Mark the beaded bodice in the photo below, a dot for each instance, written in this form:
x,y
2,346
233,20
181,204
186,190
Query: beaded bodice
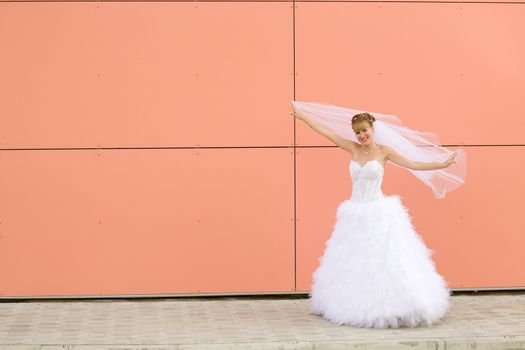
x,y
366,180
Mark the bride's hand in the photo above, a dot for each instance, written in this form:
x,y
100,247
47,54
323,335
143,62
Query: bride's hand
x,y
295,114
450,160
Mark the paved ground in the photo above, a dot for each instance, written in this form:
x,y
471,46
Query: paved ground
x,y
483,320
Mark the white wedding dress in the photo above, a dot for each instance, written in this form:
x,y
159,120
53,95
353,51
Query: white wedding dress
x,y
376,271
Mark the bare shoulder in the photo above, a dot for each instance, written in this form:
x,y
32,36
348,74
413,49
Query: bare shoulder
x,y
353,147
385,151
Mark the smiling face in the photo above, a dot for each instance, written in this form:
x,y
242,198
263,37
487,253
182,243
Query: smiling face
x,y
364,132
365,135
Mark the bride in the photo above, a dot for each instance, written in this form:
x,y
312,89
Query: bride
x,y
376,270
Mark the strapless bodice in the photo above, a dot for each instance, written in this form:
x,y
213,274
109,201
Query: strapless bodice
x,y
366,180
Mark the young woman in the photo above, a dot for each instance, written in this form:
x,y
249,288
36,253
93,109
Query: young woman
x,y
376,270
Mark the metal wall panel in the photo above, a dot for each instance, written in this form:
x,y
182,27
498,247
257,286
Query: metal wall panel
x,y
84,223
135,74
454,69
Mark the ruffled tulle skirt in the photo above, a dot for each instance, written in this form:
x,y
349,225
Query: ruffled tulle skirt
x,y
376,271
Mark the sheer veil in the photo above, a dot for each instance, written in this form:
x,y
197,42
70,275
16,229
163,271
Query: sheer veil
x,y
389,131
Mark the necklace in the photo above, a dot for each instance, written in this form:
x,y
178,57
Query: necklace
x,y
371,149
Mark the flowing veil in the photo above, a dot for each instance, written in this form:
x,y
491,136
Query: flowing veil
x,y
390,131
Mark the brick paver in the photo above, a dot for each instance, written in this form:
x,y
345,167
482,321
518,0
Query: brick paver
x,y
484,320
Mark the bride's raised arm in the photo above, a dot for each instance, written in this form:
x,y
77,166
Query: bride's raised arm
x,y
345,144
407,163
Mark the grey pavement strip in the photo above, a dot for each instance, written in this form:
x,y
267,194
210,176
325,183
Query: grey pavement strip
x,y
482,321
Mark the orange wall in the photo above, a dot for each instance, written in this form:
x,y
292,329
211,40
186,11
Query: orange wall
x,y
146,148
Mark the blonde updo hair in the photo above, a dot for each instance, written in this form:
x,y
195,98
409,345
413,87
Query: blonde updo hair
x,y
362,120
